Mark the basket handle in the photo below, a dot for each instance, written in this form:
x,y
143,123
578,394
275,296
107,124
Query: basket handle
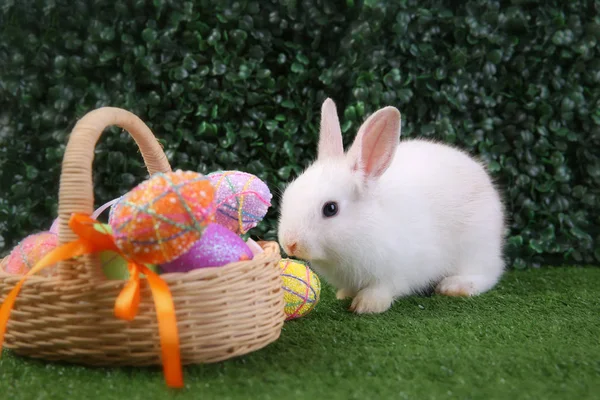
x,y
76,193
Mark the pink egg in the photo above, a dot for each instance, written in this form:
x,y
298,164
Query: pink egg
x,y
218,246
242,200
254,247
29,251
54,227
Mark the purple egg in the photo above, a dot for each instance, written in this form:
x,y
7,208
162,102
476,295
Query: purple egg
x,y
242,199
218,246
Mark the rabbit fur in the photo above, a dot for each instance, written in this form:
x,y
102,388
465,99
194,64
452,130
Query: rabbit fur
x,y
410,214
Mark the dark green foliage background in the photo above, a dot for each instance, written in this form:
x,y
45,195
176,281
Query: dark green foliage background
x,y
238,85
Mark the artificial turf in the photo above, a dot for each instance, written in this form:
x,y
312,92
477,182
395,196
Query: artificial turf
x,y
535,336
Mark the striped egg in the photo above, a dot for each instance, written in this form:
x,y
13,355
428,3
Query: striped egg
x,y
161,218
242,200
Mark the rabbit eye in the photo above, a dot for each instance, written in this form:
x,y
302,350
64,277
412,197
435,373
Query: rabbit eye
x,y
330,209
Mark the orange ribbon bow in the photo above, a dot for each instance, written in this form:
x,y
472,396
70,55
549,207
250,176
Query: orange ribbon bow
x,y
90,241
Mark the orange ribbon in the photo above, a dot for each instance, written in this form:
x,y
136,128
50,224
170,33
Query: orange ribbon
x,y
127,303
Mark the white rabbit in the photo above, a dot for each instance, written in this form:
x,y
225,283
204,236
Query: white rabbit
x,y
391,218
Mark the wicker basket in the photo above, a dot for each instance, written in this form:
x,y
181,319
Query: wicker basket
x,y
221,312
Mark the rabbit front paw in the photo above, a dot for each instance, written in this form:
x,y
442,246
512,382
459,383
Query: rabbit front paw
x,y
371,301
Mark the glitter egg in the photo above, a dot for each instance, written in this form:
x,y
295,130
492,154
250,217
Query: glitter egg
x,y
217,247
114,266
29,251
302,288
54,227
254,247
242,200
162,217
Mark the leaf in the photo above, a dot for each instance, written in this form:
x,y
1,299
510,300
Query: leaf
x,y
297,68
149,35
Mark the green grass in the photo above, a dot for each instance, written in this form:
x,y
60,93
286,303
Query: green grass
x,y
536,336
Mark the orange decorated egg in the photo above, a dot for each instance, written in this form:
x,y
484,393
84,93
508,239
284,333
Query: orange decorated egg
x,y
162,217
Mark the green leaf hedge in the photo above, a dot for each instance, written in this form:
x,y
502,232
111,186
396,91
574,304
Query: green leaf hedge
x,y
238,85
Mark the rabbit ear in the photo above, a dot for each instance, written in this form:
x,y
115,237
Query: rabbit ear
x,y
330,139
375,144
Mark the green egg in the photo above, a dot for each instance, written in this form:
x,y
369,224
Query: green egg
x,y
113,265
104,228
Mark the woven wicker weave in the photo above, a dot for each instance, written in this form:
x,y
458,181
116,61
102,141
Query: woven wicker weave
x,y
221,312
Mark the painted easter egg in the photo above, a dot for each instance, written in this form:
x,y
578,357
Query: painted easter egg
x,y
54,226
162,217
29,251
217,246
254,247
242,200
114,266
301,286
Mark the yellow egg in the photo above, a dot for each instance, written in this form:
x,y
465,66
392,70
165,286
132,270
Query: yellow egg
x,y
302,288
